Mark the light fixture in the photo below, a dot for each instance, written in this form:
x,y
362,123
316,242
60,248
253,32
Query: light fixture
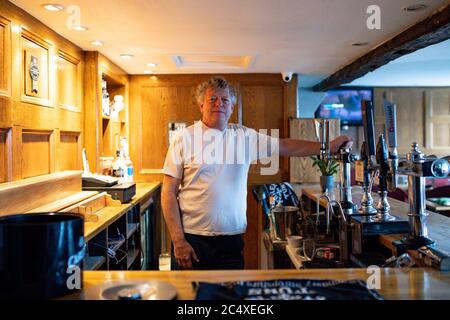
x,y
151,65
97,43
79,28
360,44
126,56
148,71
415,7
53,7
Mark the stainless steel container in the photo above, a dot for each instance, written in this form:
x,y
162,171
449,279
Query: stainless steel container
x,y
283,221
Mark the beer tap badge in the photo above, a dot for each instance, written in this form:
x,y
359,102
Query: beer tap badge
x,y
34,74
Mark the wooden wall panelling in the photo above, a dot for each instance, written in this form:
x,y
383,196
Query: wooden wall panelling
x,y
4,153
16,153
263,109
301,168
437,121
5,72
37,154
36,113
69,75
92,110
410,116
69,151
37,53
5,57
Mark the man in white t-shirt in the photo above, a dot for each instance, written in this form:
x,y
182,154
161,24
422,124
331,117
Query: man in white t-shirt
x,y
204,194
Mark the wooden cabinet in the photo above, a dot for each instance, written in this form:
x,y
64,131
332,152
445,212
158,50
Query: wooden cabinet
x,y
118,246
103,131
113,123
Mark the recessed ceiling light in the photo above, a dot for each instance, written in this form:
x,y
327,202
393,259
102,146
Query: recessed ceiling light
x,y
97,43
79,28
360,44
148,71
415,7
53,7
126,56
151,65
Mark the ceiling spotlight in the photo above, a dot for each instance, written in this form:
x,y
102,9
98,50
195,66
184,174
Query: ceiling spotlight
x,y
415,7
126,56
97,43
53,7
79,28
151,65
148,71
360,44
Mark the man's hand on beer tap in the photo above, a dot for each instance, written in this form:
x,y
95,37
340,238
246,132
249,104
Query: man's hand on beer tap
x,y
341,142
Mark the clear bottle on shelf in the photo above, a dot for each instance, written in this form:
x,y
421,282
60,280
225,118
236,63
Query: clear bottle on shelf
x,y
119,168
105,100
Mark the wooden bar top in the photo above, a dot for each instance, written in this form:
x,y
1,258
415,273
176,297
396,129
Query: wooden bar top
x,y
438,225
108,215
415,283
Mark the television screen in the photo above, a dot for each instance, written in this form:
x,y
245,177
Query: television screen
x,y
344,104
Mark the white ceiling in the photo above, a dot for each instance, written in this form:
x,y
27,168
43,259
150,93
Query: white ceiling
x,y
310,37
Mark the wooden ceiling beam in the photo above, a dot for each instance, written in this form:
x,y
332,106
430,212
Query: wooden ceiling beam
x,y
432,30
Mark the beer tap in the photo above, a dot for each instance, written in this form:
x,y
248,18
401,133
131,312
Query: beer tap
x,y
367,207
367,154
417,166
390,112
346,158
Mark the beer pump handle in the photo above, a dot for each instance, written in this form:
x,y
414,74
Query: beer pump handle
x,y
390,111
369,130
382,160
325,140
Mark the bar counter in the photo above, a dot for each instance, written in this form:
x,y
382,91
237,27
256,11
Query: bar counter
x,y
438,225
415,283
108,215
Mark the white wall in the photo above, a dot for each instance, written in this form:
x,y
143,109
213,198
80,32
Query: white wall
x,y
308,101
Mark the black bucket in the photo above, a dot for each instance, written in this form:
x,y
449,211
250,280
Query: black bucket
x,y
41,255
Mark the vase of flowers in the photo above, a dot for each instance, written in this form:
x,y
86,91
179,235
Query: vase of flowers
x,y
328,168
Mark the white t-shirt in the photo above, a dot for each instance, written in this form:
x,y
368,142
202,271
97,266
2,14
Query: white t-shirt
x,y
213,168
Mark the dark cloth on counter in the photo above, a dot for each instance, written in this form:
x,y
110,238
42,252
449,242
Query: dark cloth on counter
x,y
291,289
214,252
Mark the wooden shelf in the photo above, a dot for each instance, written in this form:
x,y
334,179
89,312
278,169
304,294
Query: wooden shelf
x,y
117,245
93,263
131,257
132,227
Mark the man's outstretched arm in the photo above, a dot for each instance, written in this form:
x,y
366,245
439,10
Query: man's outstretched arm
x,y
305,148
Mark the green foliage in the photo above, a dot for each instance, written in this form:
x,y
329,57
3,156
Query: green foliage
x,y
326,167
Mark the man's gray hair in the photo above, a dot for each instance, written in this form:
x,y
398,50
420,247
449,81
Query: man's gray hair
x,y
214,83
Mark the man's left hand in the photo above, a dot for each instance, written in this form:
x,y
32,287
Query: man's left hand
x,y
341,142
